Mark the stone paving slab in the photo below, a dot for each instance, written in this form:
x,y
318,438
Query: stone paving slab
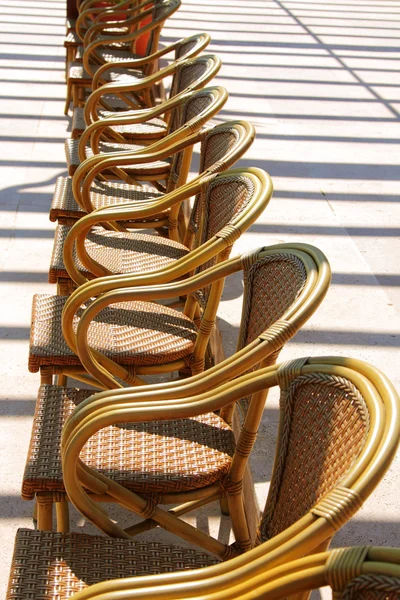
x,y
321,83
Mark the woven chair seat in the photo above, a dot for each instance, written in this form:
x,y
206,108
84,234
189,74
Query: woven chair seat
x,y
73,40
155,458
58,565
152,129
120,51
107,193
130,333
116,53
77,74
158,167
118,251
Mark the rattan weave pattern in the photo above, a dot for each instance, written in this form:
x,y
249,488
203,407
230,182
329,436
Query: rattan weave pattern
x,y
78,75
224,200
73,39
184,49
72,156
129,333
151,458
102,194
372,587
54,566
325,426
119,252
154,127
187,74
119,52
271,285
216,146
123,50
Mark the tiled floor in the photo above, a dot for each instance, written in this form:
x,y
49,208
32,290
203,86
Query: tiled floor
x,y
321,83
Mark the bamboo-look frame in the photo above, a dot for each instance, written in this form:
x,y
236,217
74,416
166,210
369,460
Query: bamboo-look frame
x,y
202,41
85,4
145,86
95,15
148,66
154,286
79,231
336,568
128,11
264,348
99,126
309,533
131,20
94,166
90,58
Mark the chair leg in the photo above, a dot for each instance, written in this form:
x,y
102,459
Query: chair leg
x,y
75,96
224,506
62,516
239,522
35,512
44,511
68,99
46,376
62,380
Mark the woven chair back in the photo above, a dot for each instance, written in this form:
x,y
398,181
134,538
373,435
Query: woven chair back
x,y
193,107
190,72
373,586
323,430
214,209
271,285
188,46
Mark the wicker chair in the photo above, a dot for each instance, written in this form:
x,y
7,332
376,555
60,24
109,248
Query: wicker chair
x,y
113,252
283,286
155,338
102,49
111,17
139,127
184,49
350,413
73,198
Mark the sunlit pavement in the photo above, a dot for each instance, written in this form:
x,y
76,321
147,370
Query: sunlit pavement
x,y
321,82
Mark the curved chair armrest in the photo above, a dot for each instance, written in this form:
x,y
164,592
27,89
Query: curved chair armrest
x,y
134,16
85,4
248,574
90,43
99,13
218,375
123,88
80,21
135,63
90,166
101,25
76,474
119,6
94,165
143,61
267,341
121,289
